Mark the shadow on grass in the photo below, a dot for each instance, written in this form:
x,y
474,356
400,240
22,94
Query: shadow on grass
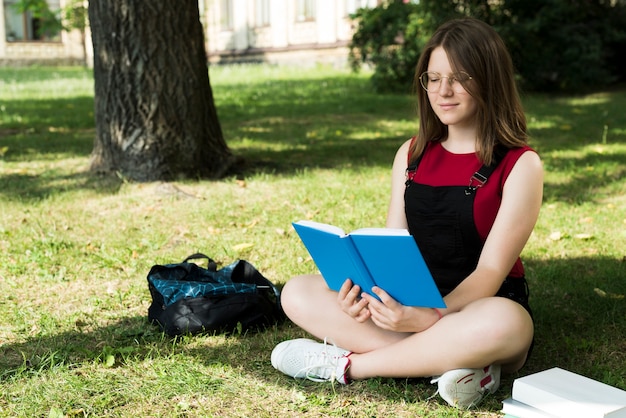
x,y
127,340
595,175
284,126
577,328
40,126
580,316
35,186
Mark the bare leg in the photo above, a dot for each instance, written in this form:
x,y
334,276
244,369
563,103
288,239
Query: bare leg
x,y
490,330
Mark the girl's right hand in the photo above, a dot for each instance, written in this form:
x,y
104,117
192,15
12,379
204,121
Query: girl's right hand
x,y
350,301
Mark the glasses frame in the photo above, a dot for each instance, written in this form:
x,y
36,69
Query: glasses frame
x,y
455,83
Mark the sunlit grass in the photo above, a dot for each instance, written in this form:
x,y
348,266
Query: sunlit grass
x,y
75,249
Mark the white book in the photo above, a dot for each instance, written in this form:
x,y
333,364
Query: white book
x,y
569,395
520,410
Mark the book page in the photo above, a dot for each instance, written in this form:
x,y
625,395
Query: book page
x,y
331,229
335,230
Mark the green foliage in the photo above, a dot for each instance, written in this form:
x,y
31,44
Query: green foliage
x,y
72,16
565,45
50,21
556,45
75,15
390,38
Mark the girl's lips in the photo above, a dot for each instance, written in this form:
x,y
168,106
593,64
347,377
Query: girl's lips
x,y
446,106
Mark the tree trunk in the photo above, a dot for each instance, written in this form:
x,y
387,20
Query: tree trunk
x,y
154,109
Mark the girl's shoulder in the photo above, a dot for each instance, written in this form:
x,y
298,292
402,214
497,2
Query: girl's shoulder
x,y
518,151
514,154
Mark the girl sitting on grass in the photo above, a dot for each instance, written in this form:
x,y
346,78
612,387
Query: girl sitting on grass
x,y
470,231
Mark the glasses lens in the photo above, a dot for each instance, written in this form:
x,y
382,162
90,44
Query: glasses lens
x,y
458,80
431,81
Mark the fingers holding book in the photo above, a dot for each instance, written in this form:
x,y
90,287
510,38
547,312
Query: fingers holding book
x,y
351,302
389,314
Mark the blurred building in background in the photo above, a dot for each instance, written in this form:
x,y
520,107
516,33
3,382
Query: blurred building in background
x,y
303,32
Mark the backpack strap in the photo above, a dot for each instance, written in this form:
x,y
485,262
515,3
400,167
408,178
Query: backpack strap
x,y
211,264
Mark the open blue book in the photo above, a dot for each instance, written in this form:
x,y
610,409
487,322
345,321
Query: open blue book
x,y
383,257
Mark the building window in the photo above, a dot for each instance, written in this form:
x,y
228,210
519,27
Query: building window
x,y
262,13
32,25
305,10
226,15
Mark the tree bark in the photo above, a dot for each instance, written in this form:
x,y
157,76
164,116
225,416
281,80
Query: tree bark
x,y
154,109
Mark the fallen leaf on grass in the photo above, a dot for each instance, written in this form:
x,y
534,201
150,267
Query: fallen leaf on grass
x,y
555,236
609,295
583,236
311,215
243,246
214,231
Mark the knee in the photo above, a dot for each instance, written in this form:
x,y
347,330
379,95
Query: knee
x,y
519,321
298,295
514,335
509,323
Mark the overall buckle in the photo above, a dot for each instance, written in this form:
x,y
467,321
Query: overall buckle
x,y
477,180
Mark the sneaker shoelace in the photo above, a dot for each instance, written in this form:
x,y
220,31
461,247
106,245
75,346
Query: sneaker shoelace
x,y
321,366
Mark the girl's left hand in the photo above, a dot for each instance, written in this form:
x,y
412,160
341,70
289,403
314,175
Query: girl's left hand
x,y
390,315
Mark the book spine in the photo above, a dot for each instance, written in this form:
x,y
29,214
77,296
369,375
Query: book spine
x,y
366,281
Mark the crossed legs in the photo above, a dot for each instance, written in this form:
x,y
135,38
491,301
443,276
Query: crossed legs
x,y
487,331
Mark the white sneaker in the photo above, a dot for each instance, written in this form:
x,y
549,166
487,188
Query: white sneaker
x,y
465,388
307,359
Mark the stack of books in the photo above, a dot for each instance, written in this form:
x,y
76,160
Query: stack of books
x,y
558,393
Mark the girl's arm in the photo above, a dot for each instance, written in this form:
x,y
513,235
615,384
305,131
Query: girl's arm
x,y
516,218
396,217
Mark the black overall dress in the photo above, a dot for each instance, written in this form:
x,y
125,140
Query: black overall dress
x,y
441,220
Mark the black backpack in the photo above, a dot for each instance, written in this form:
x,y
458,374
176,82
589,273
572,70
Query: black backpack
x,y
190,299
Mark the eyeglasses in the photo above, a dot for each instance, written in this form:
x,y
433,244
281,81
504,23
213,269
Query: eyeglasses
x,y
431,81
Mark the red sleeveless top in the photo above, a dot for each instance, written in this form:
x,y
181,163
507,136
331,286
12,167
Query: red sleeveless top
x,y
440,167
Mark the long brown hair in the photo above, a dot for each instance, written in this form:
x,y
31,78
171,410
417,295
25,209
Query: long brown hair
x,y
476,48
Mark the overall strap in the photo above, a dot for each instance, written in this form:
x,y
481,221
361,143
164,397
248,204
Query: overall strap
x,y
480,177
412,168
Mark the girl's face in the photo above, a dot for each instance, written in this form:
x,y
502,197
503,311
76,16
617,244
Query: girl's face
x,y
452,104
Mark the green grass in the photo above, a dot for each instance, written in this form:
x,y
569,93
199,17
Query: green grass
x,y
75,249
